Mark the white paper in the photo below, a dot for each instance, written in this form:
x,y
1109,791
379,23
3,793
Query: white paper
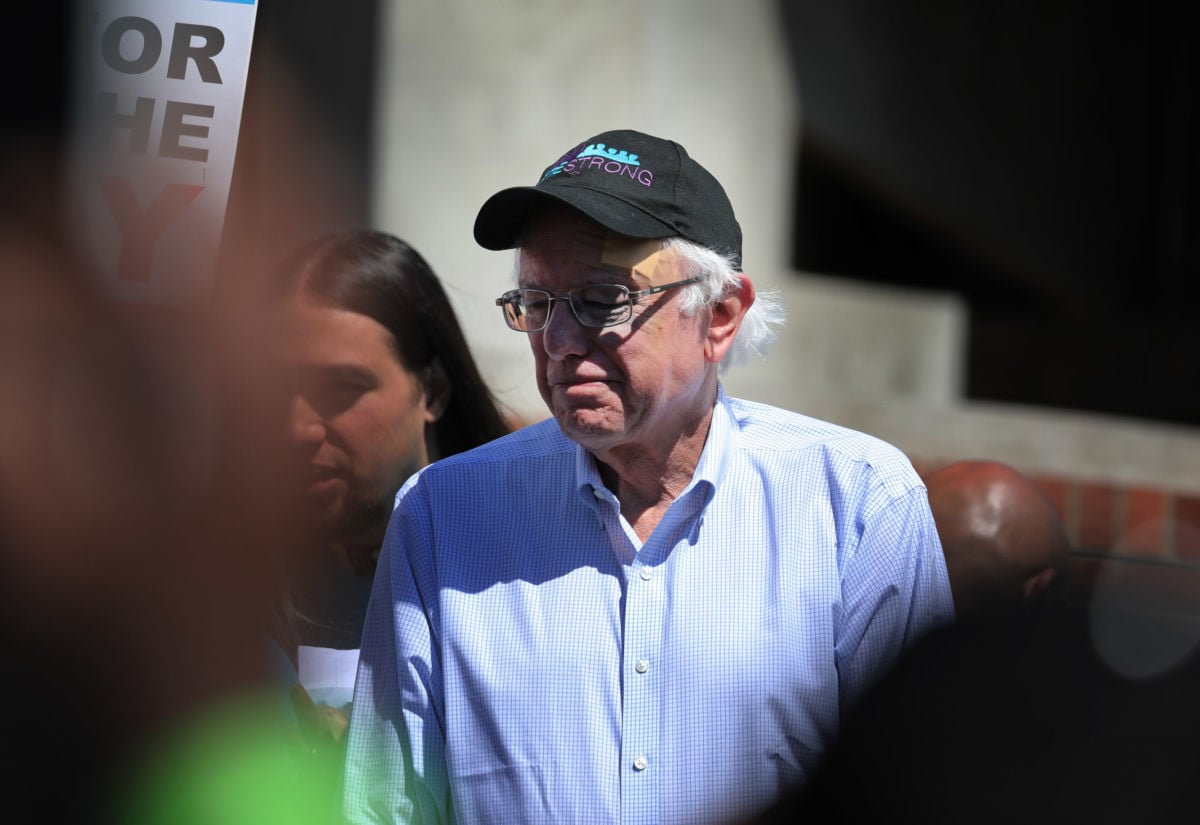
x,y
328,674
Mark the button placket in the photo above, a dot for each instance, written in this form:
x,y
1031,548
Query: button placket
x,y
641,702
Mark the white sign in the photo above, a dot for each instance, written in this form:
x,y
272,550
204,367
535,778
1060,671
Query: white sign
x,y
158,91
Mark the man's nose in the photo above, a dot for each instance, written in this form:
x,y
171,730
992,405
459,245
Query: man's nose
x,y
563,335
304,424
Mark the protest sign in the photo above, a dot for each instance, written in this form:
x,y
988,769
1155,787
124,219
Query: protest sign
x,y
158,92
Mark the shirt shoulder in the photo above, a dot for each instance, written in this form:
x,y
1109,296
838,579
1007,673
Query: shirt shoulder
x,y
536,451
774,434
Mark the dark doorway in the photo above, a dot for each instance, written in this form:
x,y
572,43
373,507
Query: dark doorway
x,y
1041,160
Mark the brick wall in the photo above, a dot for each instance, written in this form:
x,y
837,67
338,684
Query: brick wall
x,y
1139,522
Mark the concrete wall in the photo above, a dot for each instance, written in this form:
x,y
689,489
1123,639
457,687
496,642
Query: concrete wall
x,y
477,97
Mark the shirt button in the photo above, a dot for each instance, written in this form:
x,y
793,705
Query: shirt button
x,y
646,574
642,666
640,763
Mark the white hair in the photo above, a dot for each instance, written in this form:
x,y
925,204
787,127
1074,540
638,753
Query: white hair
x,y
720,276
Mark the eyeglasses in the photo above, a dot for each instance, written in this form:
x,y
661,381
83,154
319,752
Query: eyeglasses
x,y
595,305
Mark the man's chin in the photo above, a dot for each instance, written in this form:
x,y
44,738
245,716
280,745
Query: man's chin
x,y
589,427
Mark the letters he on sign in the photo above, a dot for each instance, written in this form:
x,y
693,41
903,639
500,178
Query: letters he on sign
x,y
163,84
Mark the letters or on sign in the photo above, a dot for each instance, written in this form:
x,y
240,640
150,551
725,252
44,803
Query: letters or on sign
x,y
158,91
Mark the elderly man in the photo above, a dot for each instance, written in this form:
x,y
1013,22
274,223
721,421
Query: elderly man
x,y
656,606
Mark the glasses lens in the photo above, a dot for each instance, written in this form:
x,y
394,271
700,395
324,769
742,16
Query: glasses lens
x,y
514,311
528,310
601,305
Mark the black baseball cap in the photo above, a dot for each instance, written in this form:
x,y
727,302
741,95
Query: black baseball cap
x,y
630,183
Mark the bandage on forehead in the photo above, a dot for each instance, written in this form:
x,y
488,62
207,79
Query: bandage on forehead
x,y
638,259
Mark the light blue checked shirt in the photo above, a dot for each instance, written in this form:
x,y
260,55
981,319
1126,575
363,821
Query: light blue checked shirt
x,y
526,659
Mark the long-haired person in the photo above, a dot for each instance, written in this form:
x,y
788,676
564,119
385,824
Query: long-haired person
x,y
382,383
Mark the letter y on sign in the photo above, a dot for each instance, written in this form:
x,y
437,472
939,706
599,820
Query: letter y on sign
x,y
141,229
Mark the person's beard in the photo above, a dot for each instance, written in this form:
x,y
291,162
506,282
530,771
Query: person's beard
x,y
356,519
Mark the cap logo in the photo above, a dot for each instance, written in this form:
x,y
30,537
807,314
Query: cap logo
x,y
598,157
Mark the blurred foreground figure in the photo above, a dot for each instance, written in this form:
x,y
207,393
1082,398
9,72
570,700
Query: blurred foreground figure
x,y
141,526
1004,543
142,519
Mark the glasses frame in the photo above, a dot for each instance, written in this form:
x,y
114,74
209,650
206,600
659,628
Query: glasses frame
x,y
632,297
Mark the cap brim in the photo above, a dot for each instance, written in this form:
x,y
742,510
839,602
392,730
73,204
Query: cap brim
x,y
503,216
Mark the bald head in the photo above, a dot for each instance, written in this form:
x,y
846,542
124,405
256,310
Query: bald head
x,y
1002,538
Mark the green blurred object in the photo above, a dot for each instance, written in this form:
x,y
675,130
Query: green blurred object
x,y
245,762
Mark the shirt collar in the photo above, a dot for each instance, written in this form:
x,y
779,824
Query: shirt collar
x,y
711,468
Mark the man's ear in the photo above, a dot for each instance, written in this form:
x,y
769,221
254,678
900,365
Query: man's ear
x,y
437,390
725,319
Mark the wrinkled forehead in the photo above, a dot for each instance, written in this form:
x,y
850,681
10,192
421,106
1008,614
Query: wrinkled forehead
x,y
561,244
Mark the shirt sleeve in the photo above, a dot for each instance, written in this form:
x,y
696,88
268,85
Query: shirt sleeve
x,y
396,750
894,590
